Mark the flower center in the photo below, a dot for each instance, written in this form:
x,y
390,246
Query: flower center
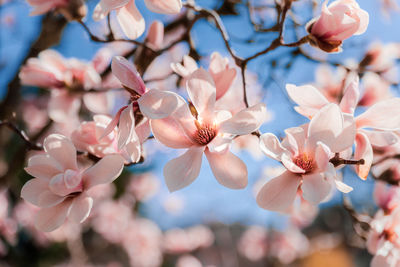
x,y
305,162
390,235
205,133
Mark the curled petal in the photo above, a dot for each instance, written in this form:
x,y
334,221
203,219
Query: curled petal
x,y
130,20
271,146
363,151
228,169
126,128
279,193
127,74
307,97
351,96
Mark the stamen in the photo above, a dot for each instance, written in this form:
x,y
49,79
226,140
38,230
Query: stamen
x,y
305,162
204,134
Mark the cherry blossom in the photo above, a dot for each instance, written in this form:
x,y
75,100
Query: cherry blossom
x,y
61,188
200,128
129,17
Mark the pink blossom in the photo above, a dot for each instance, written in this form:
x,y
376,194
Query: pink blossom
x,y
142,242
89,137
373,127
111,220
337,22
203,130
386,197
383,240
65,77
129,17
253,243
223,75
306,152
375,89
61,189
144,186
330,83
44,6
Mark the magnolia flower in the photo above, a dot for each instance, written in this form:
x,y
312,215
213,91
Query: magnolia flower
x,y
306,152
223,75
199,128
62,189
383,240
375,89
130,79
88,138
65,78
129,17
337,22
374,126
71,9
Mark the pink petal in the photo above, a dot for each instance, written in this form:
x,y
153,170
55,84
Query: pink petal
x,y
48,199
127,74
143,130
342,187
49,219
322,156
169,132
363,151
325,127
316,188
43,166
32,189
126,128
228,169
381,138
133,151
351,96
245,121
103,172
130,20
113,123
80,208
223,81
306,96
157,104
156,34
287,161
105,6
378,116
182,171
271,146
279,193
202,92
62,150
164,6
